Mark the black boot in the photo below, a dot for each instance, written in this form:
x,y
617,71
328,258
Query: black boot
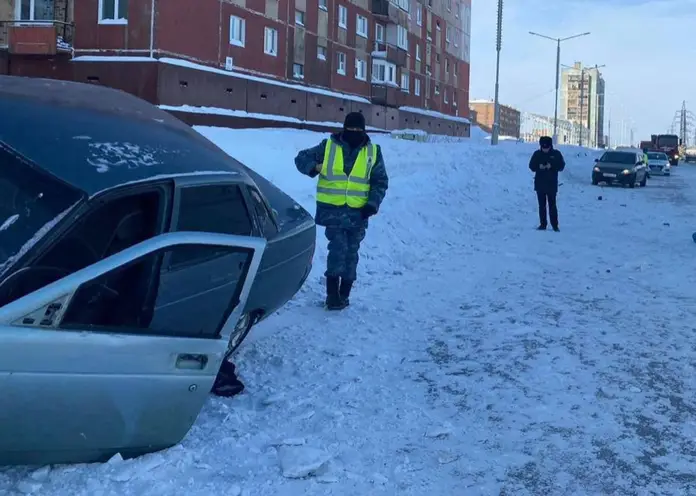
x,y
333,299
344,291
541,227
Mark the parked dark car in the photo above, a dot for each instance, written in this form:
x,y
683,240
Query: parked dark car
x,y
624,167
134,257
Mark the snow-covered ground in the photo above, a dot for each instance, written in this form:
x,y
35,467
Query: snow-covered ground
x,y
479,356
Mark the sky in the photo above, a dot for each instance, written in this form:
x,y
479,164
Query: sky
x,y
648,47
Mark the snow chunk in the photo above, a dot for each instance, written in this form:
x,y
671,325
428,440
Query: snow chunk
x,y
299,462
8,222
105,156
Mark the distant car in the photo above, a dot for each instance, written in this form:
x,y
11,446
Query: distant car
x,y
658,164
690,155
135,255
624,167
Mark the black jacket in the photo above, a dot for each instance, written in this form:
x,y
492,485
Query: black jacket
x,y
545,177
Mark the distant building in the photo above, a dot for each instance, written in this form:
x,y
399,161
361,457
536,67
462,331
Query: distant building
x,y
473,115
485,115
534,126
588,111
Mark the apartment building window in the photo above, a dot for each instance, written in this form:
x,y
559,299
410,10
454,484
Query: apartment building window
x,y
447,34
404,82
298,71
361,26
402,37
449,5
110,11
321,53
402,4
237,31
419,14
383,72
454,97
270,41
428,71
379,33
323,5
299,17
446,99
341,63
360,70
342,17
447,67
416,86
437,89
418,53
437,25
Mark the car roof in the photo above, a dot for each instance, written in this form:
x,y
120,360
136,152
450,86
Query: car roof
x,y
97,138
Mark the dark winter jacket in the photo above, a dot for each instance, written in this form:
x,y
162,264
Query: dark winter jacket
x,y
546,166
345,217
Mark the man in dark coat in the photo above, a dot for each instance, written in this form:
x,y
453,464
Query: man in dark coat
x,y
546,163
351,186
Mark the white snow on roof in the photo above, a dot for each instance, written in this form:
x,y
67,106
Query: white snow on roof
x,y
299,87
437,115
110,58
253,115
479,100
240,75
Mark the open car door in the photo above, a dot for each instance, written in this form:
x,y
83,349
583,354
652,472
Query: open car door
x,y
93,364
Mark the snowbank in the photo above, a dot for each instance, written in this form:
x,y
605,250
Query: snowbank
x,y
479,356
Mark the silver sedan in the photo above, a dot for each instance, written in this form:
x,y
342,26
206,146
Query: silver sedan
x,y
658,164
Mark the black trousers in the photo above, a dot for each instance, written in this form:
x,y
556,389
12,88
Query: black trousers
x,y
545,197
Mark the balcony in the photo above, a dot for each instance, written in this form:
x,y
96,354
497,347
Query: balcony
x,y
390,53
36,37
385,10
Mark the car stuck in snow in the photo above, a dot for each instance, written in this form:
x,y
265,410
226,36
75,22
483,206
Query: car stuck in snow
x,y
135,255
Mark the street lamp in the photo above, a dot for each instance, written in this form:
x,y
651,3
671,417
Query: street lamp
x,y
496,105
558,72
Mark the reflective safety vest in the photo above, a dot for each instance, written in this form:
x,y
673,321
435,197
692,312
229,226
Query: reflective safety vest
x,y
334,187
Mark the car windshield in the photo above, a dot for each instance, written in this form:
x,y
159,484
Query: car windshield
x,y
668,140
619,158
657,156
31,202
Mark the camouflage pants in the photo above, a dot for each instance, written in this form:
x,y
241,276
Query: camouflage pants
x,y
344,245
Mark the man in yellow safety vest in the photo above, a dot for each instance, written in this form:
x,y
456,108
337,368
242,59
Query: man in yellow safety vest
x,y
352,184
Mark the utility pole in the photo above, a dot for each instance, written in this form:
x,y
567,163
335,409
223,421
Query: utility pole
x,y
496,105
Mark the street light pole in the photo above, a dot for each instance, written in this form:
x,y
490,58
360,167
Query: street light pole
x,y
558,73
496,105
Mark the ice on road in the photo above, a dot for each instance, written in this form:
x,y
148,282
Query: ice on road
x,y
478,357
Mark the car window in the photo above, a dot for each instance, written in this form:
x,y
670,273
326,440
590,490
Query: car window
x,y
30,203
137,298
262,212
215,209
619,158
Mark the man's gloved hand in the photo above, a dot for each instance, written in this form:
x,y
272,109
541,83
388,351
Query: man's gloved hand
x,y
368,211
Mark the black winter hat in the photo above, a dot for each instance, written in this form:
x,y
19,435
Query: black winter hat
x,y
354,120
545,142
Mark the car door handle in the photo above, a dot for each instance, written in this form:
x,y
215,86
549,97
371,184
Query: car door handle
x,y
191,361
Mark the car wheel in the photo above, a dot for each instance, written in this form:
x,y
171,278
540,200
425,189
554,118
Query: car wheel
x,y
595,182
239,334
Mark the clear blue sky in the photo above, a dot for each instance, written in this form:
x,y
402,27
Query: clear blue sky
x,y
648,47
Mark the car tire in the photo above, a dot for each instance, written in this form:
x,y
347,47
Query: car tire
x,y
240,332
595,182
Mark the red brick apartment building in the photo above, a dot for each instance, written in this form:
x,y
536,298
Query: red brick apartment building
x,y
403,63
